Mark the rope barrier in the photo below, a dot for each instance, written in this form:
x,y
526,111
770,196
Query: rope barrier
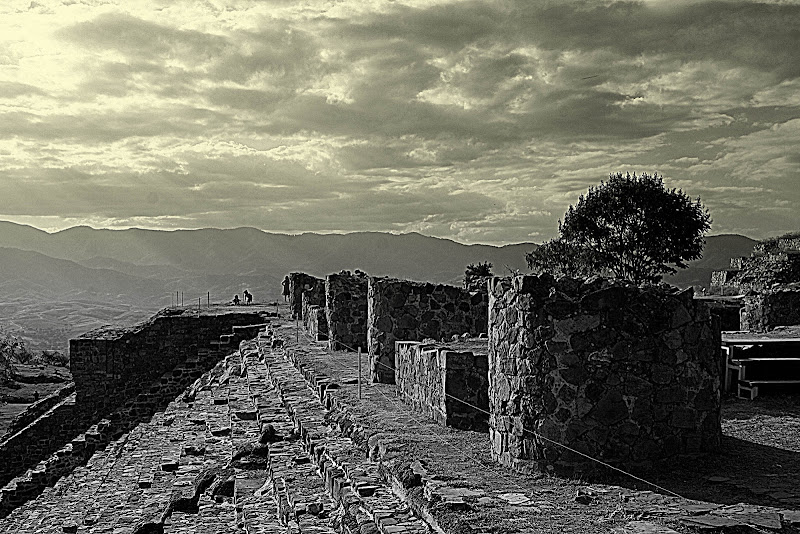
x,y
541,437
442,439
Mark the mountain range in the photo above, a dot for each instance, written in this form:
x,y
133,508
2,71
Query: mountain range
x,y
54,286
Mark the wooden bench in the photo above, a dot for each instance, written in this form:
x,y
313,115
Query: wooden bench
x,y
769,370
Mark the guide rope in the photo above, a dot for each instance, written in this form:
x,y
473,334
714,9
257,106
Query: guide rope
x,y
538,435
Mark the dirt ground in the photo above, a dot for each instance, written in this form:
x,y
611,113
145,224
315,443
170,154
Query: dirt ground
x,y
757,466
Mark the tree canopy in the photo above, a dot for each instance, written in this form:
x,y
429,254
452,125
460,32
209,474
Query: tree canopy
x,y
475,273
629,227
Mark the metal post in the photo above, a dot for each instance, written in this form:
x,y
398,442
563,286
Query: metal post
x,y
198,304
208,299
359,372
177,299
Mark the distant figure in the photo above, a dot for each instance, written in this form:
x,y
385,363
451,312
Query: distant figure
x,y
35,395
236,300
248,298
286,289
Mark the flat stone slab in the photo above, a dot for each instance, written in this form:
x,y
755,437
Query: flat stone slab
x,y
643,527
792,517
710,522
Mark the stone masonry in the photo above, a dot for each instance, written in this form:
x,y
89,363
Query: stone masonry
x,y
446,381
314,320
624,374
298,284
110,365
346,308
127,396
765,310
401,310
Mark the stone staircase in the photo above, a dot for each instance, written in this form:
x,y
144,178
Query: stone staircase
x,y
318,473
245,449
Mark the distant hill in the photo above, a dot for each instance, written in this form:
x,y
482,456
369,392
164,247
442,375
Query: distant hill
x,y
717,255
55,286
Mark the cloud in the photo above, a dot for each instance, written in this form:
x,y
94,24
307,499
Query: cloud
x,y
475,120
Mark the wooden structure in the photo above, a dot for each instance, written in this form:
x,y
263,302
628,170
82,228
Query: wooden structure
x,y
753,360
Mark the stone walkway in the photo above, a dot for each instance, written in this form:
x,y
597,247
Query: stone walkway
x,y
456,485
275,439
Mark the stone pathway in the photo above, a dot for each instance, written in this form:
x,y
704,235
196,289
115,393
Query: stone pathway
x,y
275,439
458,486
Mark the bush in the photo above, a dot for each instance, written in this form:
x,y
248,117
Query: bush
x,y
475,273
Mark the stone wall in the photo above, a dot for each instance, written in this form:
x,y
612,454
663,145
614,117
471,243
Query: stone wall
x,y
760,272
37,440
125,374
110,365
298,284
346,308
448,382
314,320
765,310
316,323
623,374
777,244
401,310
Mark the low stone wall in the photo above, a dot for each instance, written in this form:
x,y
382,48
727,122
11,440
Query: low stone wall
x,y
111,365
299,283
447,382
778,244
125,374
401,310
40,438
316,323
346,308
765,310
626,375
38,409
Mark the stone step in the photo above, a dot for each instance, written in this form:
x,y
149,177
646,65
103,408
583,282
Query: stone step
x,y
344,468
294,485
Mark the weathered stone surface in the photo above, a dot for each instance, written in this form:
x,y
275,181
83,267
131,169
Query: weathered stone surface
x,y
346,308
623,374
447,381
770,308
400,310
300,283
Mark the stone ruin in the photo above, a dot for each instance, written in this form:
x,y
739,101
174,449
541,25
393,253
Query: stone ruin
x,y
401,310
122,376
299,283
624,374
446,381
767,285
765,310
346,309
314,320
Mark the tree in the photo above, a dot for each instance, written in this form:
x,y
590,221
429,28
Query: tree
x,y
630,227
14,348
475,273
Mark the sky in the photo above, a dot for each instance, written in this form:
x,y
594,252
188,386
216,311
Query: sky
x,y
478,121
